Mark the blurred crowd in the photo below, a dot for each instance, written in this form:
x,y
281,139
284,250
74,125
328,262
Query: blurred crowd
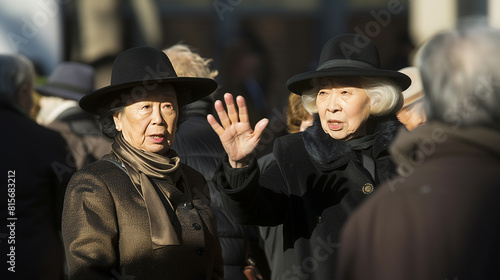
x,y
161,173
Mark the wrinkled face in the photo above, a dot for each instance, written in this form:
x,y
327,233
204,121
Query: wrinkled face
x,y
343,109
150,123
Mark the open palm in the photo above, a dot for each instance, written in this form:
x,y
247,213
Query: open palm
x,y
235,133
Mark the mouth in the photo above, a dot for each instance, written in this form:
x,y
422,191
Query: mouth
x,y
335,125
156,138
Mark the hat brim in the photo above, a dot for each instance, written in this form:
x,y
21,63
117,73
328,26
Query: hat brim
x,y
188,90
302,82
59,92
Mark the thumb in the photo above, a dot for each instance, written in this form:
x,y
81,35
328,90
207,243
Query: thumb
x,y
259,127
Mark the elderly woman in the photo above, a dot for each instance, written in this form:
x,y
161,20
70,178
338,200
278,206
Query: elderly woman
x,y
139,212
320,175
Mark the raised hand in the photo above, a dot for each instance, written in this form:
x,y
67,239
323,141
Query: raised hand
x,y
236,135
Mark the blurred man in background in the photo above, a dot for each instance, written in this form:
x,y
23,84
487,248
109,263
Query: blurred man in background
x,y
439,219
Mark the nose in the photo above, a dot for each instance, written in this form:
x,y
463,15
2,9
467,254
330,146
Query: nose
x,y
333,103
156,116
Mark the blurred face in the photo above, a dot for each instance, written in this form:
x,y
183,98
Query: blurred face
x,y
306,123
412,116
343,109
150,124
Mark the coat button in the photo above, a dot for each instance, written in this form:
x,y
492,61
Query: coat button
x,y
196,226
367,188
201,251
319,219
188,205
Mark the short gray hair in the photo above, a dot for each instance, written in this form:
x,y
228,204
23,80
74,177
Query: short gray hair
x,y
385,95
15,71
461,76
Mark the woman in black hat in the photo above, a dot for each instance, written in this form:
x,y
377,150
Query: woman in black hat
x,y
320,175
138,212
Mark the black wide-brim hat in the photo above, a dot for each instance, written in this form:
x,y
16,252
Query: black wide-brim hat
x,y
139,69
348,55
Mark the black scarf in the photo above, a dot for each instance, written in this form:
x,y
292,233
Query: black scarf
x,y
328,153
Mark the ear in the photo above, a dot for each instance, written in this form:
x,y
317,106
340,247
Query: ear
x,y
25,98
374,105
117,120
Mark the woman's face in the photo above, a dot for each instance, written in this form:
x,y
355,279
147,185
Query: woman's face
x,y
343,109
150,123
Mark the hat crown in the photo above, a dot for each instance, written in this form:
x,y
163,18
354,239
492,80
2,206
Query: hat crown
x,y
349,50
141,64
70,80
73,74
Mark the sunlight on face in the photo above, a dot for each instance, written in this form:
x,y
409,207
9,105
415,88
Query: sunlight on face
x,y
343,109
150,123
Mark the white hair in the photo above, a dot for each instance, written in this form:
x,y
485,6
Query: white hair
x,y
461,76
385,94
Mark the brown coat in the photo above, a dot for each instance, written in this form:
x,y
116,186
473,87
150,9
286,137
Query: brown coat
x,y
439,220
106,230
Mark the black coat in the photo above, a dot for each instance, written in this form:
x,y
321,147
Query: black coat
x,y
199,147
37,165
312,187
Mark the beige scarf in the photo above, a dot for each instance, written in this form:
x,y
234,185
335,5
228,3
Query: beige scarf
x,y
142,167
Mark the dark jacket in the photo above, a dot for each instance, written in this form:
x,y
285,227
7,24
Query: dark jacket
x,y
439,219
36,167
199,147
312,187
106,229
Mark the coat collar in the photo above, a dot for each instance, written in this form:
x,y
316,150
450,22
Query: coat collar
x,y
328,153
423,141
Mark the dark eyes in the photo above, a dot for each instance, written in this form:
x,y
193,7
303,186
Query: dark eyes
x,y
345,92
166,106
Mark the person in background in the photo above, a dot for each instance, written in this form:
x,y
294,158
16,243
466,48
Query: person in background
x,y
139,212
298,119
198,146
59,111
412,115
439,219
321,174
36,170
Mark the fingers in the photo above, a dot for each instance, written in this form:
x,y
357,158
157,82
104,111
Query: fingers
x,y
231,108
224,119
242,108
215,125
